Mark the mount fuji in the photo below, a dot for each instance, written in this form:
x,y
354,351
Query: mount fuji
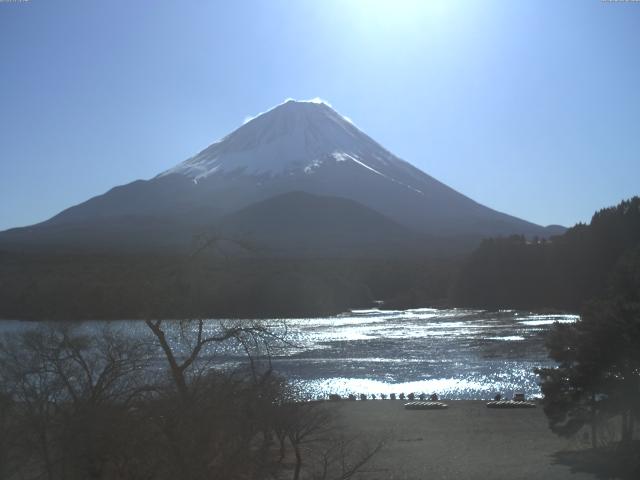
x,y
298,172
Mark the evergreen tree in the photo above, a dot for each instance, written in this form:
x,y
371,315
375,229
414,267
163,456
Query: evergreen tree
x,y
598,372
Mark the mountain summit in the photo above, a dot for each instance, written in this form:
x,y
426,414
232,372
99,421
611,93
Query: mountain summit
x,y
297,146
294,137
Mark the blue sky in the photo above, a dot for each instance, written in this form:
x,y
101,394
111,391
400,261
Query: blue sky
x,y
531,108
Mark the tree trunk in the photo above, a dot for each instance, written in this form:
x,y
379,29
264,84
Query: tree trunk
x,y
627,427
176,372
47,457
296,473
594,425
282,449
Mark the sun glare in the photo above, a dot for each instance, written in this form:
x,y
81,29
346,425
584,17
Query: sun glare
x,y
388,14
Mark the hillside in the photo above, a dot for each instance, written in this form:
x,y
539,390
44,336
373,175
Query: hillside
x,y
561,273
294,147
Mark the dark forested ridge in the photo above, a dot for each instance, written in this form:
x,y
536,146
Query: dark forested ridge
x,y
45,286
513,272
561,273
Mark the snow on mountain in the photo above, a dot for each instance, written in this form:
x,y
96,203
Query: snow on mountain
x,y
297,146
292,138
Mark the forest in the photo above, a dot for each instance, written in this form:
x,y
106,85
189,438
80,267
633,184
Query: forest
x,y
593,389
560,273
70,287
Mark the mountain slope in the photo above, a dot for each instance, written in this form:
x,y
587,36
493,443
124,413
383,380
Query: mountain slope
x,y
301,224
296,146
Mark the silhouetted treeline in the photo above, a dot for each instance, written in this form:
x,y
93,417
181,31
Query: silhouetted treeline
x,y
592,391
106,405
47,286
513,272
561,273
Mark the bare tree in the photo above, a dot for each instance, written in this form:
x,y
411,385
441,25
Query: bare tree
x,y
194,336
70,393
320,449
6,432
343,457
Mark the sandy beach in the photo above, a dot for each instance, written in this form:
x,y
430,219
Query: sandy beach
x,y
465,441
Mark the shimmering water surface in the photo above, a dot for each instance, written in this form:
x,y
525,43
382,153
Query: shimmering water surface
x,y
459,354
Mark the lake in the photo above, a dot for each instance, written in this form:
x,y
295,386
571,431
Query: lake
x,y
456,353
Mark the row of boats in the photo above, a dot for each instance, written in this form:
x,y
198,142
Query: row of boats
x,y
518,401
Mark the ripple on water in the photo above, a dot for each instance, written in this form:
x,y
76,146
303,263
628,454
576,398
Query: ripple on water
x,y
458,353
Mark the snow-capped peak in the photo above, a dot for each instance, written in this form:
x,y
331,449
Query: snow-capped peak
x,y
316,101
294,136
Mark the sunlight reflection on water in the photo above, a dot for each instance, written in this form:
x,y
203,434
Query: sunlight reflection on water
x,y
457,353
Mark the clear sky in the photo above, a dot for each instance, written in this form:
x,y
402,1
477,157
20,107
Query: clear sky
x,y
531,108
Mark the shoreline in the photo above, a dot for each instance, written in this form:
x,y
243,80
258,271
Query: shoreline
x,y
308,316
465,441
